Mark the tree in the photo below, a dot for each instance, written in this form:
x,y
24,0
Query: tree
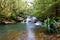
x,y
11,9
44,8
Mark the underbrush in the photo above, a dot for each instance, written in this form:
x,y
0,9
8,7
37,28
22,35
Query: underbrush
x,y
48,27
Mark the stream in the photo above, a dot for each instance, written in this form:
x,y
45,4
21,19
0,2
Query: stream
x,y
22,32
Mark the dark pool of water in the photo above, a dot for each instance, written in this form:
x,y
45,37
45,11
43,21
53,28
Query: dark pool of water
x,y
5,28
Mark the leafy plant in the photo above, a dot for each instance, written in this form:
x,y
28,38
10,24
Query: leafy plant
x,y
45,8
50,25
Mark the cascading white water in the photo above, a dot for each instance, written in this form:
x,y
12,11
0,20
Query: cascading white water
x,y
30,32
30,24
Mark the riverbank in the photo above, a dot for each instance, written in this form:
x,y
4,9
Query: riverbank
x,y
12,21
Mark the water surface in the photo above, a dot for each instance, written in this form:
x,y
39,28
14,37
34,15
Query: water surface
x,y
4,29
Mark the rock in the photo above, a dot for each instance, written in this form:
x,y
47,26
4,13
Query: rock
x,y
8,22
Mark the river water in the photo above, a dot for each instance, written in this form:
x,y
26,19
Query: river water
x,y
5,30
21,32
30,26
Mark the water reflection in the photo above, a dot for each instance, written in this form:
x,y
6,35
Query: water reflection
x,y
30,24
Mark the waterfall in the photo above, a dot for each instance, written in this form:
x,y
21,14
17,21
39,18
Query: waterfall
x,y
30,26
31,23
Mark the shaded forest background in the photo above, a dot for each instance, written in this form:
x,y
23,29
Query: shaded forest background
x,y
12,10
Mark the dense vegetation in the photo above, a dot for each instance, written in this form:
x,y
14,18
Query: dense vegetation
x,y
46,8
48,12
10,10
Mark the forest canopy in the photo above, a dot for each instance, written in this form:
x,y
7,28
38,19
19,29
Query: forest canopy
x,y
12,9
46,8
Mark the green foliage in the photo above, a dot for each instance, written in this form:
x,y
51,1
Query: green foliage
x,y
44,8
50,25
7,7
11,9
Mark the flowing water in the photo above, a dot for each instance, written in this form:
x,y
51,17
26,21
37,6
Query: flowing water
x,y
23,32
30,26
10,32
31,23
17,29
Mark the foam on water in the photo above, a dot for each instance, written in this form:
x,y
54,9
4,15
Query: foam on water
x,y
30,26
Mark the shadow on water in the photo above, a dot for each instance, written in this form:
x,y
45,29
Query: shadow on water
x,y
5,28
13,31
